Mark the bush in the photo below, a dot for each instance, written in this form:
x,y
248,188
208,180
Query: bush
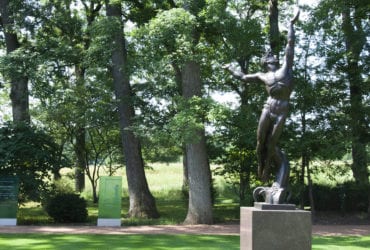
x,y
347,197
66,207
32,156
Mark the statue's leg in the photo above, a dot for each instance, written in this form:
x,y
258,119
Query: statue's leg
x,y
282,175
272,140
262,133
279,188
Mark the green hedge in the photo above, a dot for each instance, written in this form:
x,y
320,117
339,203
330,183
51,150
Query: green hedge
x,y
347,197
67,207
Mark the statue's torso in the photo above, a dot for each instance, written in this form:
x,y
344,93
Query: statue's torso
x,y
279,89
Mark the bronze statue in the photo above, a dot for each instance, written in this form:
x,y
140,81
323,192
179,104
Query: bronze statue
x,y
279,86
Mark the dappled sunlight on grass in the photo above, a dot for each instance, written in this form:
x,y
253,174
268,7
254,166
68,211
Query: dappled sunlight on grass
x,y
152,242
226,212
340,243
32,214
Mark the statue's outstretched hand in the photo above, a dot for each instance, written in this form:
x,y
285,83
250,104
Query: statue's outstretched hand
x,y
295,18
226,66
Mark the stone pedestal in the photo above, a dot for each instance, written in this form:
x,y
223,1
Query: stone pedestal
x,y
275,229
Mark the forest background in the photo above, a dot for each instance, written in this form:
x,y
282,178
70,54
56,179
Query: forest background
x,y
111,84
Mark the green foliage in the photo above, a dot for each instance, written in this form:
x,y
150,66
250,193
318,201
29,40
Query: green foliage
x,y
66,207
30,154
189,119
170,33
347,197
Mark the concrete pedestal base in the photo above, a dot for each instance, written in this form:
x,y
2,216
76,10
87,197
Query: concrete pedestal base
x,y
8,222
275,229
109,222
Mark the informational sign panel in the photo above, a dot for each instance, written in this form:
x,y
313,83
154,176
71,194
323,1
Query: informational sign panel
x,y
110,195
9,187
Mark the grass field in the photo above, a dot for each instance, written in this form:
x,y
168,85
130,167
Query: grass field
x,y
165,181
147,242
155,242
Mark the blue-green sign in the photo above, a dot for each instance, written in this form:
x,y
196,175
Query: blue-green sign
x,y
9,187
110,195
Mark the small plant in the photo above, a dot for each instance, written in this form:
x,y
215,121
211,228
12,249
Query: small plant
x,y
66,207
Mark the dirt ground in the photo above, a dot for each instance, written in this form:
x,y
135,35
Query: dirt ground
x,y
219,229
324,224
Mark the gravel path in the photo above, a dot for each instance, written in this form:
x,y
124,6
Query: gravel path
x,y
219,229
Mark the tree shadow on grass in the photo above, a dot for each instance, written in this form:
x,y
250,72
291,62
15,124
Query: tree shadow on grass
x,y
143,242
341,242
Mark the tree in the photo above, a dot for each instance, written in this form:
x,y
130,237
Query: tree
x,y
142,203
345,38
239,38
62,41
18,74
32,156
168,38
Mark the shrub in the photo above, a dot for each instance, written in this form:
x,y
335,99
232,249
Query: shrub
x,y
347,197
66,207
32,156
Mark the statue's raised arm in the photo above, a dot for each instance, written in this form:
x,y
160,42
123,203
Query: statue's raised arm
x,y
289,50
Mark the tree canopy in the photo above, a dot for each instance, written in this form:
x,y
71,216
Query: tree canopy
x,y
121,83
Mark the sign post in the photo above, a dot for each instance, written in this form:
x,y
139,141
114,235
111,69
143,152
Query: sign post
x,y
110,195
9,187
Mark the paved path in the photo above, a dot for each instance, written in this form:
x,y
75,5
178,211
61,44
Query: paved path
x,y
219,229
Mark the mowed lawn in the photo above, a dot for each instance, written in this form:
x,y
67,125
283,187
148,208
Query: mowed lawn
x,y
150,242
157,242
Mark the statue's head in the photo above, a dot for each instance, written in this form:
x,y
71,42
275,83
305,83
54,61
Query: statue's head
x,y
269,61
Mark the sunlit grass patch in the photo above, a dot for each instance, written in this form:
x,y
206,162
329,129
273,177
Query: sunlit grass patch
x,y
115,242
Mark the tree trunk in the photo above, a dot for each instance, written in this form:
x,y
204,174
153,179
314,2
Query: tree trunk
x,y
355,39
19,94
80,133
274,34
81,159
142,203
185,180
199,174
310,191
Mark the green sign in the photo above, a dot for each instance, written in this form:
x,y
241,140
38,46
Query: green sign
x,y
110,195
9,187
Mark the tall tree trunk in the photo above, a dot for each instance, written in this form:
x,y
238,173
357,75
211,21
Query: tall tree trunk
x,y
304,155
274,33
185,179
355,39
199,174
310,191
19,94
142,203
81,159
80,136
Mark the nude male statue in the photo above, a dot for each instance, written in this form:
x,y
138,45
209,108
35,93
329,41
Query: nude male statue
x,y
279,86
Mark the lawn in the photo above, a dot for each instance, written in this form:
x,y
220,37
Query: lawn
x,y
165,183
341,243
156,242
102,242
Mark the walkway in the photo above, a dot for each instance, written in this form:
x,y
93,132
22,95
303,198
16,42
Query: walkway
x,y
219,229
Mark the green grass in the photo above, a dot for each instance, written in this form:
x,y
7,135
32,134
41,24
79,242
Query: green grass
x,y
157,242
164,180
341,243
171,211
149,242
